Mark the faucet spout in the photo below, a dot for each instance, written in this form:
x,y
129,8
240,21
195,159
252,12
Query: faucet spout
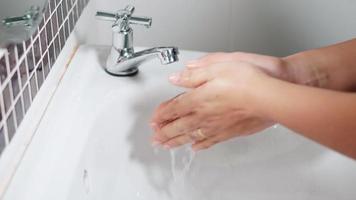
x,y
126,64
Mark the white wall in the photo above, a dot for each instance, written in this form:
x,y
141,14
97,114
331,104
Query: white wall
x,y
276,27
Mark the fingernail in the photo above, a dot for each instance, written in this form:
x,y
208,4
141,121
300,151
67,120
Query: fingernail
x,y
154,126
174,78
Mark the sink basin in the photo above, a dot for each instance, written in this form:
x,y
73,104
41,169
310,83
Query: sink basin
x,y
93,143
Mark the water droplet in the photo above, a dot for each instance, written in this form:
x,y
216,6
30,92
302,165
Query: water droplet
x,y
86,181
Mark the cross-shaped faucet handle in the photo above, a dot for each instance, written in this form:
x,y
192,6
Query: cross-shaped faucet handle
x,y
123,18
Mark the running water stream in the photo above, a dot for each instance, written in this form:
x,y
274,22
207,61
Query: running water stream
x,y
181,186
181,162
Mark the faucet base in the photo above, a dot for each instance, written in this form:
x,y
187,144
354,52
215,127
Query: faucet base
x,y
129,72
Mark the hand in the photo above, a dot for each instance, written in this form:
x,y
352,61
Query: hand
x,y
219,107
273,66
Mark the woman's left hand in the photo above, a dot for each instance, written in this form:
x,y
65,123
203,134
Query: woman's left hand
x,y
219,106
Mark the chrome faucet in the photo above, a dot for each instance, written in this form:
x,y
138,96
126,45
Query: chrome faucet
x,y
123,60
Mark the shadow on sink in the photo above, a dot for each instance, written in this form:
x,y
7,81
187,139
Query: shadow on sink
x,y
156,161
247,161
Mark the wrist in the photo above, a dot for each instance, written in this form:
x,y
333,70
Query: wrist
x,y
257,92
286,72
304,69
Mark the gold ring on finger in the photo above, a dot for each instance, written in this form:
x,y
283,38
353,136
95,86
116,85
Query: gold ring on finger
x,y
198,135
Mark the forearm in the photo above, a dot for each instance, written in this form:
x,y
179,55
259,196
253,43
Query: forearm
x,y
325,116
332,67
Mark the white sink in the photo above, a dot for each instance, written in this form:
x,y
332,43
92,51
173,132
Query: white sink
x,y
93,143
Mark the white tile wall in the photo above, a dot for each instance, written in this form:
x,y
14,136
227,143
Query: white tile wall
x,y
184,23
282,27
276,27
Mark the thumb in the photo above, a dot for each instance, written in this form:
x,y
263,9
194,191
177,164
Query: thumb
x,y
191,78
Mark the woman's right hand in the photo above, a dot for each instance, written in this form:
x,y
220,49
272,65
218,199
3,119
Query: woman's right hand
x,y
219,106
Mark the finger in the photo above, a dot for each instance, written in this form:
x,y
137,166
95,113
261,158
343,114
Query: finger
x,y
165,103
211,141
203,60
268,62
197,135
191,78
177,141
214,58
257,59
246,127
214,139
205,144
154,119
178,107
177,127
